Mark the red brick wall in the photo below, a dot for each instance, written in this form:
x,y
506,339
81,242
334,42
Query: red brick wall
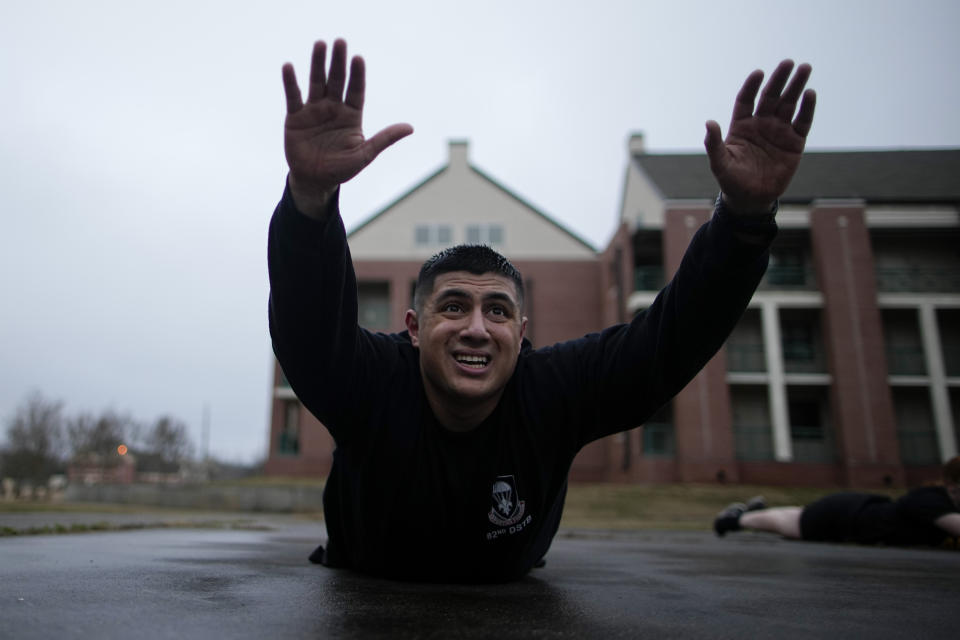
x,y
860,395
563,301
400,275
613,297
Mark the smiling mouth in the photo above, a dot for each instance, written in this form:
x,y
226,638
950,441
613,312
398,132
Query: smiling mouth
x,y
474,362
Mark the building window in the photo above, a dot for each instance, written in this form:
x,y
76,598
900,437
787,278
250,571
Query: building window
x,y
810,434
289,441
489,234
648,272
648,278
658,440
916,260
954,394
948,320
787,268
805,420
425,235
752,432
373,305
916,433
745,345
901,333
790,264
421,234
801,342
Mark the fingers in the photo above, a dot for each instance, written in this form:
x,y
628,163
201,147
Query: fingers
x,y
328,86
714,140
291,89
338,71
777,101
357,85
804,119
743,107
318,72
714,144
770,98
788,101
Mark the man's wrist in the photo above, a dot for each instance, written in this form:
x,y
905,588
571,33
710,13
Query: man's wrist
x,y
750,228
311,203
754,211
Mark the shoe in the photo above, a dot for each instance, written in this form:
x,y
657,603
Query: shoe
x,y
729,518
756,503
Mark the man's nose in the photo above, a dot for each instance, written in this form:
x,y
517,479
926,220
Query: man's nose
x,y
476,327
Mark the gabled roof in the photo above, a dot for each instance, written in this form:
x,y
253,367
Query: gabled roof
x,y
487,178
406,194
907,176
533,209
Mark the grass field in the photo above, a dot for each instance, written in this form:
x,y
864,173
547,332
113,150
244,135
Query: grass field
x,y
668,506
589,506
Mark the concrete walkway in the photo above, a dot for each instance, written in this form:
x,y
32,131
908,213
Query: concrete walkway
x,y
256,583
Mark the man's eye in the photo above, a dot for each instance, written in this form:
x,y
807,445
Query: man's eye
x,y
498,311
451,307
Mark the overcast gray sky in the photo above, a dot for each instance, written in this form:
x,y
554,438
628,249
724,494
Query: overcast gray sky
x,y
141,152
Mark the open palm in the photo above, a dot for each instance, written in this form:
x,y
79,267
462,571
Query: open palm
x,y
760,155
323,138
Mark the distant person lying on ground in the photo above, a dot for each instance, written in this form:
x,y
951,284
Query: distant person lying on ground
x,y
924,516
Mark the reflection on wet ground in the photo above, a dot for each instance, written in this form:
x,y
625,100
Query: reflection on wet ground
x,y
239,583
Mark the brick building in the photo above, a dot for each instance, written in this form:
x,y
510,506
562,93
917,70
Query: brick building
x,y
844,371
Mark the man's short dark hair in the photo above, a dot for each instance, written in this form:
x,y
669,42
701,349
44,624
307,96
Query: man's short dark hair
x,y
477,259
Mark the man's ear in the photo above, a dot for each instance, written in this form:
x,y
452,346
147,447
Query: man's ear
x,y
413,326
523,327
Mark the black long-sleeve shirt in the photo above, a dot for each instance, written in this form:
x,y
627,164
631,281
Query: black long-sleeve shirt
x,y
407,498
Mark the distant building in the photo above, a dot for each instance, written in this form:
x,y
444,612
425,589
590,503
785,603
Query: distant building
x,y
126,468
94,468
845,369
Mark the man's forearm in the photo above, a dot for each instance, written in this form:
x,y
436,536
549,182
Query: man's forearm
x,y
313,304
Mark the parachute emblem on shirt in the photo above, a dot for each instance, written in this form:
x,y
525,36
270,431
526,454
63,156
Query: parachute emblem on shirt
x,y
502,494
506,509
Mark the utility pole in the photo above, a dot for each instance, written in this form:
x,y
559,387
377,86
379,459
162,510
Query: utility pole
x,y
205,437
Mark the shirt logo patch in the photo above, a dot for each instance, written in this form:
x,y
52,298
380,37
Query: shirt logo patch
x,y
507,508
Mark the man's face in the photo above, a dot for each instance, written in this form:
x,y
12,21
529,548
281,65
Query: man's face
x,y
469,333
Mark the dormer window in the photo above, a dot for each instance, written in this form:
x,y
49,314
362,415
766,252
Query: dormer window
x,y
425,235
489,234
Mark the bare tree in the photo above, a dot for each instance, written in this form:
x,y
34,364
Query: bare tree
x,y
34,446
99,435
169,439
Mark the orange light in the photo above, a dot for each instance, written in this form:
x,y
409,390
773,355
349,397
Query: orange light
x,y
122,449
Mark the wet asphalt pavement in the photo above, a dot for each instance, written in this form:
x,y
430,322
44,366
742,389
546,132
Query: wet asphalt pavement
x,y
256,583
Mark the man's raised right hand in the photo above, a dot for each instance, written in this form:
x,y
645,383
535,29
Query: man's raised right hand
x,y
323,138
